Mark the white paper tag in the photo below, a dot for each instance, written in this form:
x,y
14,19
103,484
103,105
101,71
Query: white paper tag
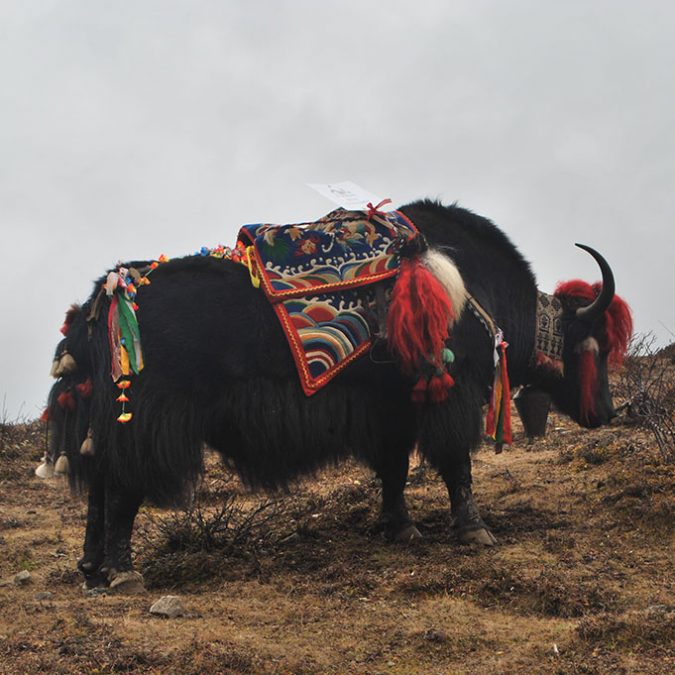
x,y
349,196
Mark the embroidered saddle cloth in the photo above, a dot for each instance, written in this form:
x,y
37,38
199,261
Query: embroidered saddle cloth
x,y
325,280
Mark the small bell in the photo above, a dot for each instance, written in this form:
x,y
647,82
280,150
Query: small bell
x,y
62,467
87,447
66,365
45,468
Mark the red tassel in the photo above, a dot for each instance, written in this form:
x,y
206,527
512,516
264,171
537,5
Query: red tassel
x,y
439,387
70,317
45,415
66,400
506,395
588,374
437,392
419,316
85,389
419,392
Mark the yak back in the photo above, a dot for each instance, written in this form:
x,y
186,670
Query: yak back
x,y
218,370
494,272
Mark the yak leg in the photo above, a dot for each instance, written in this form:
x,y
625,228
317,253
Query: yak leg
x,y
447,432
121,507
393,472
466,518
89,564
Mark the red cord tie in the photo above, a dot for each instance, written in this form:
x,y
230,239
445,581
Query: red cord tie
x,y
373,210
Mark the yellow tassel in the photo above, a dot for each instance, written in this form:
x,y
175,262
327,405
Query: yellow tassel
x,y
252,268
124,418
124,360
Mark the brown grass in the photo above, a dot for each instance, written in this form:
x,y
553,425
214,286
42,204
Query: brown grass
x,y
309,585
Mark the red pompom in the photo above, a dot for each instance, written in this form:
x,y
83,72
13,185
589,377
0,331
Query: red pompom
x,y
66,400
419,392
439,387
70,317
85,389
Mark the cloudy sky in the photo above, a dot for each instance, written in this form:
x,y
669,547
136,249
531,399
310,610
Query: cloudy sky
x,y
134,128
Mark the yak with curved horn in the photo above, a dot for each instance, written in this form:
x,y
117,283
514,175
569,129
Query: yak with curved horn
x,y
226,348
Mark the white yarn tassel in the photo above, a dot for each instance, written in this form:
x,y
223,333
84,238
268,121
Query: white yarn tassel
x,y
445,270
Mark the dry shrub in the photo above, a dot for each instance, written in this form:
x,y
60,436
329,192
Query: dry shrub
x,y
191,545
648,387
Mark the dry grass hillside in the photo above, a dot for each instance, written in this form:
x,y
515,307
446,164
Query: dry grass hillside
x,y
581,581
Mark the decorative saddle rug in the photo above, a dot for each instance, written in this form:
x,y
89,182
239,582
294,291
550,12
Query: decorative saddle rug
x,y
320,278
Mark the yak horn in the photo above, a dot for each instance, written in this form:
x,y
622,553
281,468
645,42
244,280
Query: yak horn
x,y
596,309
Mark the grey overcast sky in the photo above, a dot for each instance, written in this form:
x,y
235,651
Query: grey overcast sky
x,y
140,127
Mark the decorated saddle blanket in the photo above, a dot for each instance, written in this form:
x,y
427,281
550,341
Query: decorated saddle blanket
x,y
326,280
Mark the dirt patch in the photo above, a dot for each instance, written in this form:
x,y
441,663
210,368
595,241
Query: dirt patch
x,y
581,581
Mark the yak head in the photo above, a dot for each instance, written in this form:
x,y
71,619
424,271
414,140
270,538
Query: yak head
x,y
596,326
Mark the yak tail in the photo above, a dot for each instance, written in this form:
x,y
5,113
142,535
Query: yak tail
x,y
428,297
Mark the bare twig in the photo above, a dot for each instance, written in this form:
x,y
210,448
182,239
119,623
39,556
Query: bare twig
x,y
648,387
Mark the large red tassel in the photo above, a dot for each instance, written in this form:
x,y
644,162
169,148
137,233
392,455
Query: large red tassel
x,y
588,374
419,317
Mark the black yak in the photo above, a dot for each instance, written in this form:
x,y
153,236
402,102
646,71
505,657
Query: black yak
x,y
218,371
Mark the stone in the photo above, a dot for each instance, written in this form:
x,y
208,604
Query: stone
x,y
22,578
44,595
169,606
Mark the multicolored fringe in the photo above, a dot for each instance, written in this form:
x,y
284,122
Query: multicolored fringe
x,y
126,354
498,420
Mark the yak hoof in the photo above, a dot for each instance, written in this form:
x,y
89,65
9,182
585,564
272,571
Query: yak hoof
x,y
408,535
127,583
95,581
481,536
